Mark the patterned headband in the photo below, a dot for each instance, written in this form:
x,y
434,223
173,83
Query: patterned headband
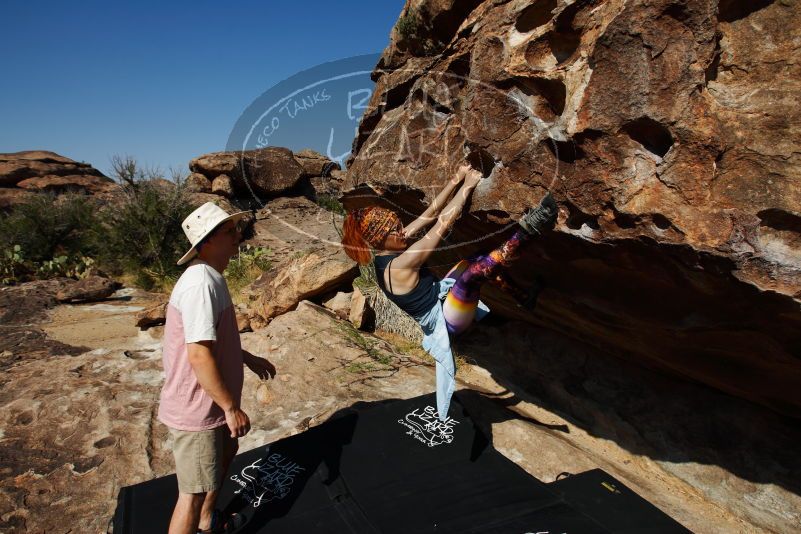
x,y
376,223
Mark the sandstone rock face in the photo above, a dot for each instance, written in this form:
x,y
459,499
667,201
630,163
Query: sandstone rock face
x,y
302,277
153,316
223,185
267,171
359,312
667,132
34,171
315,164
339,304
18,166
88,289
11,196
197,182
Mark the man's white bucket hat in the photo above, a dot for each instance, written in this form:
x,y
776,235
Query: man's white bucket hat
x,y
202,222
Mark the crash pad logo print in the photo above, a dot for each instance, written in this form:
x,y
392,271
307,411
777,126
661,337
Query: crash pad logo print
x,y
267,479
424,425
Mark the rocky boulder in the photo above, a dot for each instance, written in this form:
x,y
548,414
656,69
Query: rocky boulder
x,y
217,163
359,312
18,166
198,199
309,273
198,183
223,186
152,316
88,289
67,184
267,171
38,171
290,225
339,304
315,164
12,196
667,132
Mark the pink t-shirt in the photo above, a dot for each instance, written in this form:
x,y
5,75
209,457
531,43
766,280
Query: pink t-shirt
x,y
200,309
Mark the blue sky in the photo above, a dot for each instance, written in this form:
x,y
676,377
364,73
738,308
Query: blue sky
x,y
163,82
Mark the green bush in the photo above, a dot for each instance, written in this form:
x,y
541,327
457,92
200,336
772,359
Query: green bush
x,y
49,236
408,25
330,203
245,267
47,226
416,34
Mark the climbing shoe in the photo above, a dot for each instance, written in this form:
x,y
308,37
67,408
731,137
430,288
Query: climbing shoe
x,y
541,218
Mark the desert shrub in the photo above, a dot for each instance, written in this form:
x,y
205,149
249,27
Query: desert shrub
x,y
330,203
416,34
245,268
47,226
408,25
145,237
49,236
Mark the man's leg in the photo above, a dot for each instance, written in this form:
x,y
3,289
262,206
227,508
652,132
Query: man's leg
x,y
186,516
462,300
228,448
198,466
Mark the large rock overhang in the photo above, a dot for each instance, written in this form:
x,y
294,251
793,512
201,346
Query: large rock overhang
x,y
666,134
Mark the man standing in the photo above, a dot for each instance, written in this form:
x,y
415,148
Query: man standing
x,y
203,359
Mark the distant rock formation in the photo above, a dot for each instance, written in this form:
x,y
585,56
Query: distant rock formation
x,y
267,172
36,171
668,133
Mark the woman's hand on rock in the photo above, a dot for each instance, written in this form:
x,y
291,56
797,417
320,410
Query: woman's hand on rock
x,y
460,174
472,178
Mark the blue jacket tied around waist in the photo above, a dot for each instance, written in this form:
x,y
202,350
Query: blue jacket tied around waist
x,y
438,345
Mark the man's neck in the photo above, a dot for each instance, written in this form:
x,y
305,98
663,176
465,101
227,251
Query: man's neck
x,y
218,264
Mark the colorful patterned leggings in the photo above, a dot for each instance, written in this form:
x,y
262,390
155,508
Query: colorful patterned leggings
x,y
462,300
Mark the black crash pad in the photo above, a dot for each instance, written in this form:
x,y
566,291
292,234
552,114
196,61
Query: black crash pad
x,y
394,468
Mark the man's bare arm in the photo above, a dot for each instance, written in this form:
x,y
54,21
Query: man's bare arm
x,y
208,375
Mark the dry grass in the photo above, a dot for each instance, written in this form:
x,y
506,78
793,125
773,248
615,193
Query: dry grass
x,y
415,350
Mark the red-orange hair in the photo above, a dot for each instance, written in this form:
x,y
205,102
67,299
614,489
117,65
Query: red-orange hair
x,y
367,228
355,246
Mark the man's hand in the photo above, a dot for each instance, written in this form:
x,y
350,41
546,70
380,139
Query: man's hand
x,y
260,366
238,422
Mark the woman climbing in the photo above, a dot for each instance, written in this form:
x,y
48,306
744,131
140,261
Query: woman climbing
x,y
402,275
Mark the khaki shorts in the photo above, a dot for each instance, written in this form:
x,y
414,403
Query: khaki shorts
x,y
199,458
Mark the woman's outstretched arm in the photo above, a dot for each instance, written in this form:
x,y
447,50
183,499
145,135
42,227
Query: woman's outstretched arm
x,y
430,214
414,257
